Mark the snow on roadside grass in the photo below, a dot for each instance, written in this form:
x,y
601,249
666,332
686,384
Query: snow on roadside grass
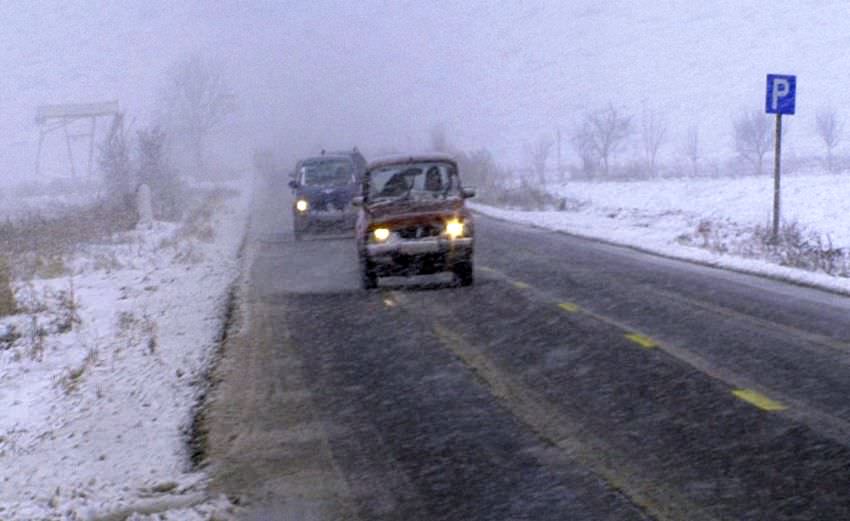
x,y
100,371
664,216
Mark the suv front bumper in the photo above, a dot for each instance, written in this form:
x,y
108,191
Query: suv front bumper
x,y
393,248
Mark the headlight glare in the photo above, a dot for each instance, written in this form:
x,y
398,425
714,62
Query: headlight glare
x,y
454,228
381,234
301,205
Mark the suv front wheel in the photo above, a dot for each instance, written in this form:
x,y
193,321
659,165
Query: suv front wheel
x,y
464,272
368,277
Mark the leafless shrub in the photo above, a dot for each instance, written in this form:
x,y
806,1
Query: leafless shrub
x,y
795,246
9,334
49,266
830,129
68,314
8,306
70,381
150,330
753,138
126,321
38,243
37,336
107,261
529,197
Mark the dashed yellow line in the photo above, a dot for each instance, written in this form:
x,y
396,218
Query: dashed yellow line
x,y
750,396
569,307
641,340
759,400
390,300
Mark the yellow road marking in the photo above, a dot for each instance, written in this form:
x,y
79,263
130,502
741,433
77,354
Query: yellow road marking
x,y
569,307
643,341
759,400
520,284
659,499
390,301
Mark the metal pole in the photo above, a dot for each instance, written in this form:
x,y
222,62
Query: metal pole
x,y
38,155
777,156
560,173
91,144
68,144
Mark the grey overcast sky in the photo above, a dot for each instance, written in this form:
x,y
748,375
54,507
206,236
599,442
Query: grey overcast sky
x,y
381,73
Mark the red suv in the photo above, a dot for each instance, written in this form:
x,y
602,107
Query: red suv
x,y
413,219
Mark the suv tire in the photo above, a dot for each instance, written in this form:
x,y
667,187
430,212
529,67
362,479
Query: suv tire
x,y
368,277
464,273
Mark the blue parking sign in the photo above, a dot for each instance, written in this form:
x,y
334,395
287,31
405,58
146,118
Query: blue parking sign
x,y
781,94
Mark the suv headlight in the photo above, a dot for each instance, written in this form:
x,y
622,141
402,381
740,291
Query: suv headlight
x,y
455,228
381,234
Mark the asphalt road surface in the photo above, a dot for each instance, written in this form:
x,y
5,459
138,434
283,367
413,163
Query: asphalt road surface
x,y
575,380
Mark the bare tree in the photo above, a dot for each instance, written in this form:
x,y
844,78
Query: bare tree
x,y
829,127
155,171
114,162
538,154
601,135
653,133
584,146
753,138
439,138
692,151
197,101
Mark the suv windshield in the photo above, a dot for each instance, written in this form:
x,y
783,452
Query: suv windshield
x,y
326,173
416,180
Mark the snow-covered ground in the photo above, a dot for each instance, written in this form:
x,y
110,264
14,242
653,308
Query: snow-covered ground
x,y
101,369
664,216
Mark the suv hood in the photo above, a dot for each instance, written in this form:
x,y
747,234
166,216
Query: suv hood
x,y
414,208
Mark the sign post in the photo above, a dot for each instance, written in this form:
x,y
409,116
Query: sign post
x,y
780,99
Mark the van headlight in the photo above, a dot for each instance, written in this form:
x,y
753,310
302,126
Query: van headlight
x,y
455,228
301,205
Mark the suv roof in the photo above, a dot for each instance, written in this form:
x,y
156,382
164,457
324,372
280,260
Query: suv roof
x,y
411,158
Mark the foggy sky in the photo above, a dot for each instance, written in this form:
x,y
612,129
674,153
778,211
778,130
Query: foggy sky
x,y
380,74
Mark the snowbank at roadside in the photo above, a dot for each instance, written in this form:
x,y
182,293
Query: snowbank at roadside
x,y
101,369
663,216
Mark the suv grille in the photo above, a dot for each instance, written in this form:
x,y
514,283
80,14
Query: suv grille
x,y
420,231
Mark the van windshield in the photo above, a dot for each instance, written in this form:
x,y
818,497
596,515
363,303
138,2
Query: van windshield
x,y
326,173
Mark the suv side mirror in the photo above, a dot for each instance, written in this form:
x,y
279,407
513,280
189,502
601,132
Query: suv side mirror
x,y
357,200
466,192
293,184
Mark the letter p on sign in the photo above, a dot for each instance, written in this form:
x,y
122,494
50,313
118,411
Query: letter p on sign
x,y
781,94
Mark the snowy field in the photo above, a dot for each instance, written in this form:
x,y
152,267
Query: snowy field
x,y
101,368
665,216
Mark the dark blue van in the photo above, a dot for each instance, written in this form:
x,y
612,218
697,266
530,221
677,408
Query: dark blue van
x,y
323,187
